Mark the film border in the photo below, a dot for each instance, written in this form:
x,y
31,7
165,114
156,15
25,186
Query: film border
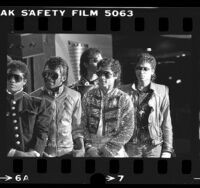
x,y
184,21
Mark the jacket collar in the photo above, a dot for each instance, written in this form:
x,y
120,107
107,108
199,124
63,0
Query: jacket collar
x,y
152,87
24,100
110,93
15,96
53,94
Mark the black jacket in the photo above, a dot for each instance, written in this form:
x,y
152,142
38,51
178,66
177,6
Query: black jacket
x,y
27,122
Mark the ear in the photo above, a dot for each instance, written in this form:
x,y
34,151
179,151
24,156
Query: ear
x,y
115,77
64,78
25,82
153,71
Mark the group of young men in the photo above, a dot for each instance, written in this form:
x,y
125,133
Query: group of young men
x,y
95,117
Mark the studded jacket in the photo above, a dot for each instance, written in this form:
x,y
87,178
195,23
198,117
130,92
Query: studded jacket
x,y
159,121
65,126
27,122
114,113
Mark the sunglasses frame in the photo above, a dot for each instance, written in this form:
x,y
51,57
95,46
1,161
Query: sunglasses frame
x,y
51,74
142,68
107,74
17,78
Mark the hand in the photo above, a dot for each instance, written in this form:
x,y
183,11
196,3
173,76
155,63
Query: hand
x,y
78,153
47,155
33,153
26,154
93,152
166,155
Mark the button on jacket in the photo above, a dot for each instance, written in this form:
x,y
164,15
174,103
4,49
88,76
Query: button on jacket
x,y
66,123
108,121
159,121
27,121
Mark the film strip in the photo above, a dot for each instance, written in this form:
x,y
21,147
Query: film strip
x,y
120,23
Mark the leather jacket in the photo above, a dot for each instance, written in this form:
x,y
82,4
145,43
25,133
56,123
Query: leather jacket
x,y
159,121
66,124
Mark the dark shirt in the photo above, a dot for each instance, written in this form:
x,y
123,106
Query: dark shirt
x,y
159,125
27,122
142,115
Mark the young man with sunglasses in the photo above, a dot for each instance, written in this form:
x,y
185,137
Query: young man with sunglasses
x,y
88,67
153,136
28,117
66,133
107,115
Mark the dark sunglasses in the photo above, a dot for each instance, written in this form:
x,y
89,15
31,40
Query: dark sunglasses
x,y
142,68
93,60
104,73
50,74
16,77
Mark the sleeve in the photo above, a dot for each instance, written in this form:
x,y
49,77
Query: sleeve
x,y
77,128
166,125
125,131
84,121
41,128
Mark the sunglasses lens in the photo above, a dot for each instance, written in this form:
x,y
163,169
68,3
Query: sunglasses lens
x,y
18,78
44,74
93,60
142,68
107,75
54,76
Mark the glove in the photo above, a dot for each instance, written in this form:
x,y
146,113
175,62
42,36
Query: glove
x,y
47,155
166,155
26,154
93,152
78,153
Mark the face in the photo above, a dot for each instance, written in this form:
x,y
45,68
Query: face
x,y
15,81
144,71
92,64
53,78
106,78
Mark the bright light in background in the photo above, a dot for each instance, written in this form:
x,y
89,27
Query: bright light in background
x,y
178,81
170,77
149,49
181,55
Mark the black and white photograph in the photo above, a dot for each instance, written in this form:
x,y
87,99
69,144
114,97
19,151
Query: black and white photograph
x,y
110,95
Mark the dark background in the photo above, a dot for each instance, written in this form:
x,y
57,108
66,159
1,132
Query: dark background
x,y
175,68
